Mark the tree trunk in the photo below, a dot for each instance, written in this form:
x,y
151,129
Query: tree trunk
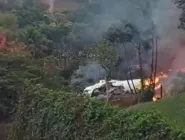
x,y
156,55
107,85
127,78
141,72
161,92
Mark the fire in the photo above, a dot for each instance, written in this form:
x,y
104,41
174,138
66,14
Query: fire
x,y
158,84
149,82
154,99
158,80
162,75
146,82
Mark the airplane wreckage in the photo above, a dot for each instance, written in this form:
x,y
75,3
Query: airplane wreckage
x,y
126,90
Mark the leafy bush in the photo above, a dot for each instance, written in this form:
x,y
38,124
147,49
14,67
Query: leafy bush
x,y
56,115
8,20
15,69
147,95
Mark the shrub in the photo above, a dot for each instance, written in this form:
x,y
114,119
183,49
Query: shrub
x,y
147,95
8,20
15,69
56,115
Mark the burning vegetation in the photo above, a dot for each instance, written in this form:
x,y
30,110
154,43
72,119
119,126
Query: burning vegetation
x,y
158,82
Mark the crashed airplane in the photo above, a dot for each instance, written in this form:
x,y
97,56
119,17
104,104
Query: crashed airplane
x,y
135,83
123,87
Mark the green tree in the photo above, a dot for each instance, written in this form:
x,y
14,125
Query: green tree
x,y
8,20
15,68
32,13
36,42
31,17
31,35
181,5
122,33
106,56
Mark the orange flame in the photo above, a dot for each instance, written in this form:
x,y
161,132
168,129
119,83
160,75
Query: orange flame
x,y
154,99
162,75
149,82
157,82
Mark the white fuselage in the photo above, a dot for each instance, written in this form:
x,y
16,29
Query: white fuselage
x,y
116,83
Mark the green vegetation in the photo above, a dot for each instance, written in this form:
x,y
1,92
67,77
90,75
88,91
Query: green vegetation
x,y
101,54
49,115
15,69
172,108
39,53
8,20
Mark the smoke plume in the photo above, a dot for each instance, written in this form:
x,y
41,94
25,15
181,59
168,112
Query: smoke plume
x,y
163,14
143,14
51,5
172,39
90,73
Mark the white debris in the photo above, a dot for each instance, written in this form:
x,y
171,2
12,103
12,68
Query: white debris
x,y
89,90
116,83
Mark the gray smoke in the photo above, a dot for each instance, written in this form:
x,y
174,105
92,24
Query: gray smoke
x,y
51,4
166,18
89,73
141,13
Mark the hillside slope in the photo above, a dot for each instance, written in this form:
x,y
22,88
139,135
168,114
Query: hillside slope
x,y
173,108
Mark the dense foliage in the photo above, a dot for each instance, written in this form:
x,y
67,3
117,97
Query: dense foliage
x,y
18,67
39,52
29,39
50,115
